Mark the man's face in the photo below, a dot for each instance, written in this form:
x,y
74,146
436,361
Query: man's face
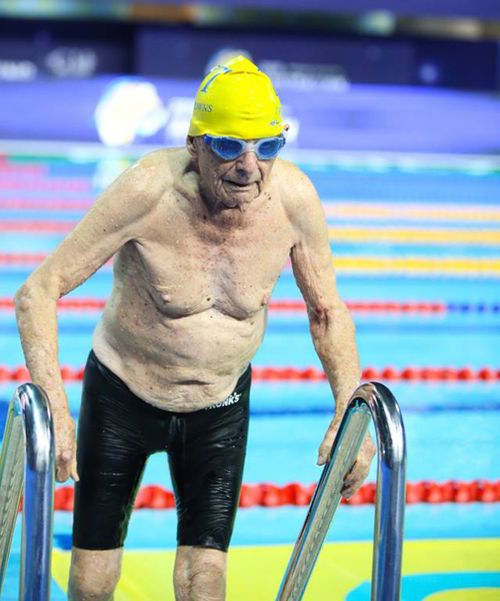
x,y
229,184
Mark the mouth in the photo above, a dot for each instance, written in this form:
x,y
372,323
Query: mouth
x,y
239,185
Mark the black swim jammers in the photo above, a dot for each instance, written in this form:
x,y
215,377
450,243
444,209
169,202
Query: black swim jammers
x,y
117,431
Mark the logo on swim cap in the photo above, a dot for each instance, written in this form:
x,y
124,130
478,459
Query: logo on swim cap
x,y
236,99
199,106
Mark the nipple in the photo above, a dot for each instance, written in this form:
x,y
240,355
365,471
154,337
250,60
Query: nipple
x,y
166,297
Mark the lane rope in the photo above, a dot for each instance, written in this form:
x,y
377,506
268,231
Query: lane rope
x,y
344,209
481,237
298,306
417,266
66,184
270,495
411,235
413,211
311,374
16,169
63,204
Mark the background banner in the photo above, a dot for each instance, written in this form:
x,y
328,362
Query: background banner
x,y
131,110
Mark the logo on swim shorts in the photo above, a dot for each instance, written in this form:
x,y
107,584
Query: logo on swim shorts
x,y
233,398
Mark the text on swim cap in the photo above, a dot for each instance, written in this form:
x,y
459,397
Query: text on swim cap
x,y
200,106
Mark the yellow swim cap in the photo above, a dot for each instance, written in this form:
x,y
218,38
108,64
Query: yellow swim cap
x,y
236,99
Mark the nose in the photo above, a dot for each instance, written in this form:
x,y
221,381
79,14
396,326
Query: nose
x,y
247,161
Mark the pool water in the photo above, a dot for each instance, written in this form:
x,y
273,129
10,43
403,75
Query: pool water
x,y
452,551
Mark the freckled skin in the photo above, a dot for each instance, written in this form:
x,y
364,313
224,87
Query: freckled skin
x,y
198,245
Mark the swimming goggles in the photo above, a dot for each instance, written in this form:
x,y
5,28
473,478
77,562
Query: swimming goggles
x,y
231,148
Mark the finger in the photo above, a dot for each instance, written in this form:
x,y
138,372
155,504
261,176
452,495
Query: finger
x,y
63,466
323,454
353,467
61,474
321,459
74,472
349,489
353,484
66,456
349,493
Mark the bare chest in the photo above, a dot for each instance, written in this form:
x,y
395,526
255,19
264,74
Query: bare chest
x,y
193,267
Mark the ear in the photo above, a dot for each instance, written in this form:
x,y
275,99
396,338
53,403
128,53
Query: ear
x,y
192,146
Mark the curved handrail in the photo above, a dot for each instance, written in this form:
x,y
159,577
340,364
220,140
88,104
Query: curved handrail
x,y
28,426
375,400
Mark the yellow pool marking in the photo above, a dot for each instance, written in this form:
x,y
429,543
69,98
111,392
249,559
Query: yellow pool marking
x,y
486,237
418,265
254,573
476,594
412,211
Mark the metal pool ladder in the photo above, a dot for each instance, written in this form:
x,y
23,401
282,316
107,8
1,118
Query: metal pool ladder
x,y
29,426
369,400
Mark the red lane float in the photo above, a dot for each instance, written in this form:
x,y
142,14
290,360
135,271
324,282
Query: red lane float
x,y
32,204
311,374
392,374
293,306
27,259
286,306
294,493
13,182
66,304
21,258
16,169
40,227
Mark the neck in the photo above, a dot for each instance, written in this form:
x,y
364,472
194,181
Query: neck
x,y
222,215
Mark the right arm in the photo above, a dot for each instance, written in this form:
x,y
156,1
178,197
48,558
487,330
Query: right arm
x,y
114,219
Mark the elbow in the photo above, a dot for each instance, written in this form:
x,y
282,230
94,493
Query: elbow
x,y
322,316
25,298
322,312
30,295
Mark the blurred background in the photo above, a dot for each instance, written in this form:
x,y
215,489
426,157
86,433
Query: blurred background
x,y
413,75
394,113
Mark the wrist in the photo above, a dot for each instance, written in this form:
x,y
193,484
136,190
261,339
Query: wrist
x,y
60,412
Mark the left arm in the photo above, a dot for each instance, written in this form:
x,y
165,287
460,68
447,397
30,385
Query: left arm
x,y
331,325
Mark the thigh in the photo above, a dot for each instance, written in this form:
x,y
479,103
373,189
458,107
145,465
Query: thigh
x,y
207,471
111,458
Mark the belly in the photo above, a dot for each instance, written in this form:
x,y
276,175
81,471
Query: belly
x,y
181,364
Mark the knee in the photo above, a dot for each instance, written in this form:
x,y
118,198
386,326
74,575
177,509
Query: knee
x,y
94,575
208,577
200,574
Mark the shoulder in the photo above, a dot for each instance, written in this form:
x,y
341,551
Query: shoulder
x,y
298,195
153,173
140,187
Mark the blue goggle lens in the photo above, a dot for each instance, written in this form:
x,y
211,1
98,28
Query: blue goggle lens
x,y
269,148
231,148
227,148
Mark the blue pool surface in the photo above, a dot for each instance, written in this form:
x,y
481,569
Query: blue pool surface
x,y
451,428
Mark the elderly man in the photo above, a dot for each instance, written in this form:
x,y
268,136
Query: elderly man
x,y
200,235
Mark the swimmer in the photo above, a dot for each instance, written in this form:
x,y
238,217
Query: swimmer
x,y
199,236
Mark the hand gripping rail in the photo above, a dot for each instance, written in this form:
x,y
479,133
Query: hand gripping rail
x,y
369,399
28,411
